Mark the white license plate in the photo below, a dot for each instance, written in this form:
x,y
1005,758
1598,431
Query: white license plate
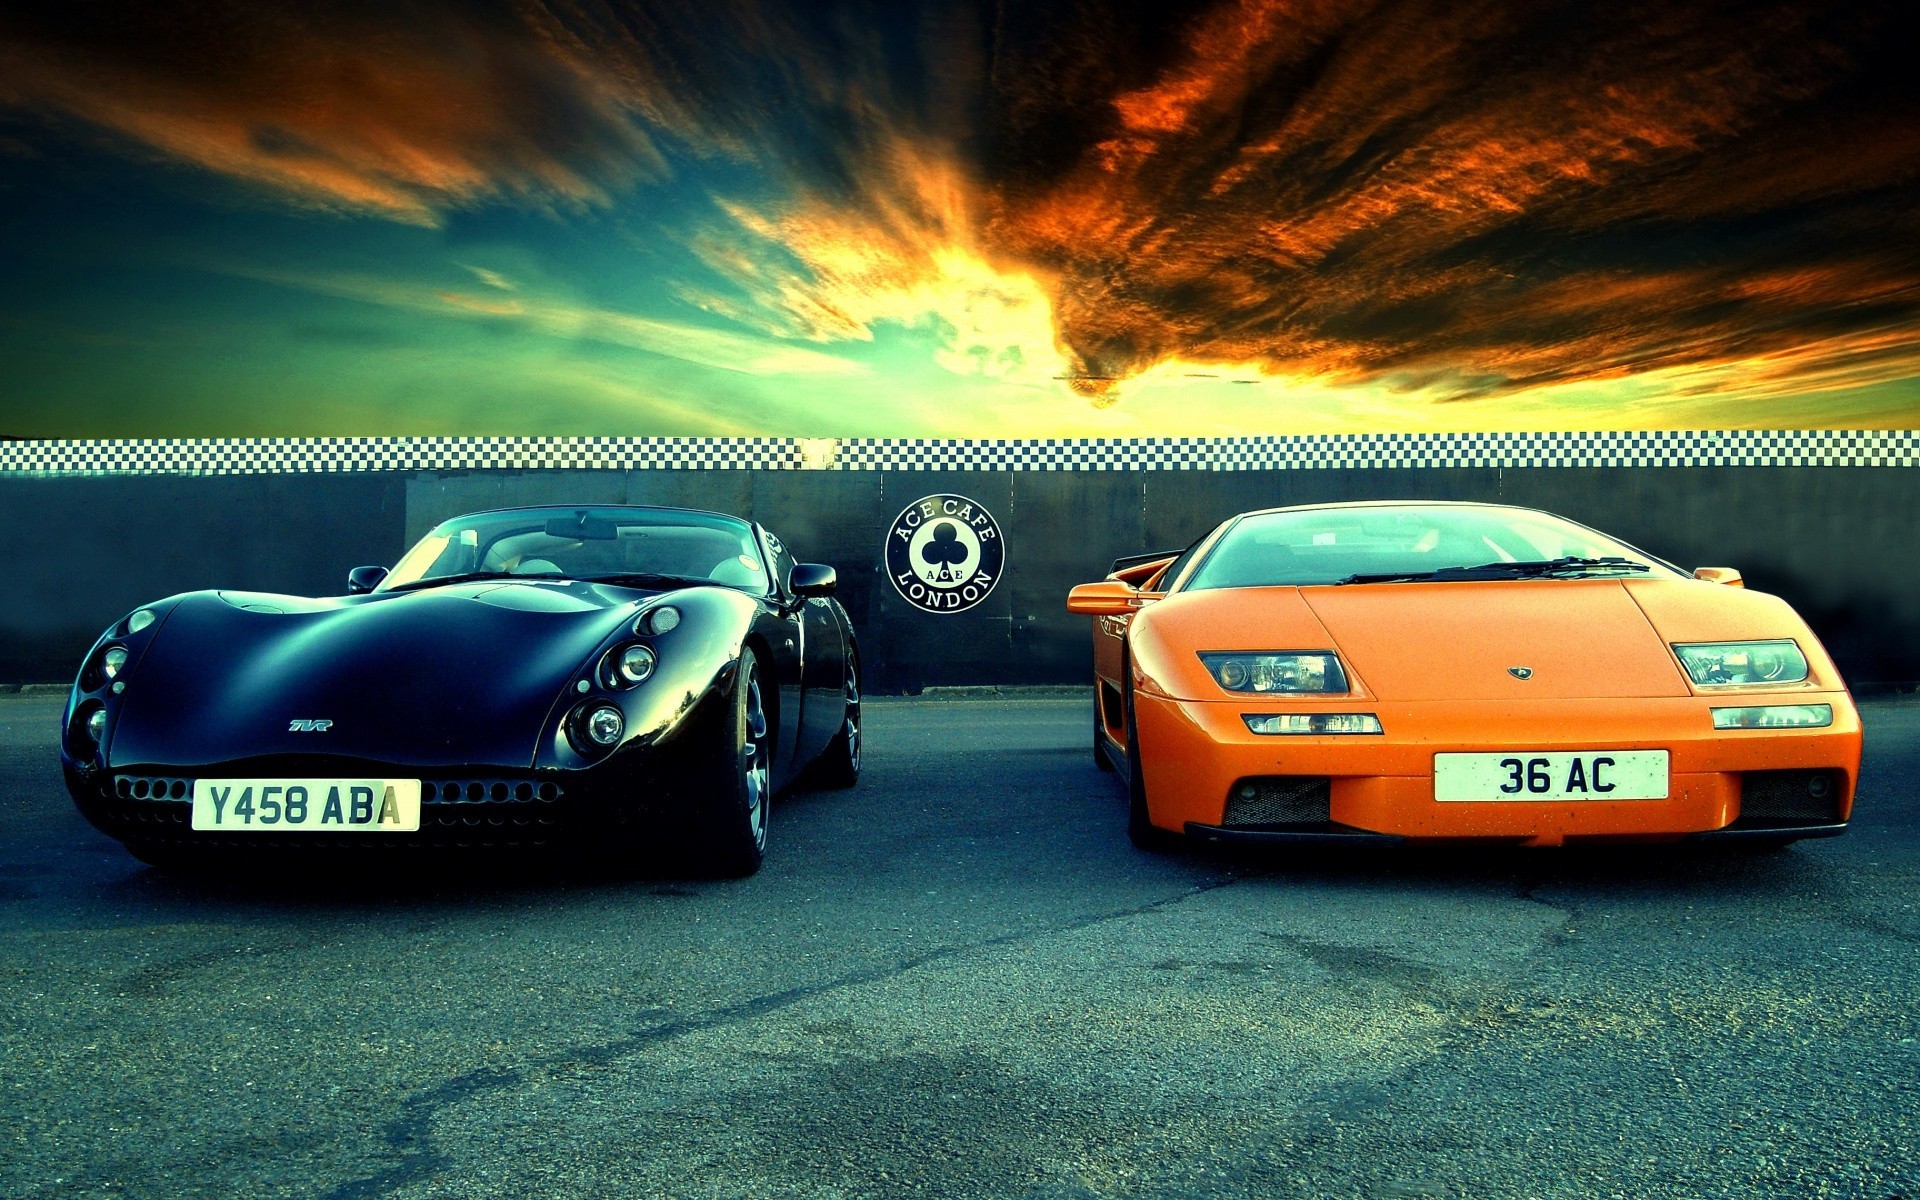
x,y
1551,775
307,805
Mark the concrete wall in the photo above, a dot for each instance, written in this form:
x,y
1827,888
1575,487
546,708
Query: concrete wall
x,y
1839,542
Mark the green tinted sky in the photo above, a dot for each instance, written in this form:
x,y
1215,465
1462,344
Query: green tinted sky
x,y
1069,219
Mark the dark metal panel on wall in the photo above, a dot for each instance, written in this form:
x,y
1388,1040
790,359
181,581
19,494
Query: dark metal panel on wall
x,y
88,549
1065,528
832,517
907,648
1183,505
715,491
434,496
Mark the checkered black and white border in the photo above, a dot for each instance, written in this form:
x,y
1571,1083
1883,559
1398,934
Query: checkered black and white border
x,y
255,456
1689,448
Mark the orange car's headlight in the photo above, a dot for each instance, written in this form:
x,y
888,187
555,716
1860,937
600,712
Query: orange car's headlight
x,y
1729,664
1276,672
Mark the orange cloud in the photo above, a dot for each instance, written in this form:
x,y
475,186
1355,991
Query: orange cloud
x,y
1469,197
1457,198
336,107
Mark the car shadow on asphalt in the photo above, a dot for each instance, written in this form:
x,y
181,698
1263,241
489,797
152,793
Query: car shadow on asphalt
x,y
1676,868
454,881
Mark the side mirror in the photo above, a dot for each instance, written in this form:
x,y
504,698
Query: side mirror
x,y
1140,574
362,580
813,579
1106,598
1726,575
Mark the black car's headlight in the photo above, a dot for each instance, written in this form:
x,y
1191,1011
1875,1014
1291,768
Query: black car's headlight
x,y
596,727
107,665
89,726
1728,664
1279,671
604,725
139,619
663,618
628,665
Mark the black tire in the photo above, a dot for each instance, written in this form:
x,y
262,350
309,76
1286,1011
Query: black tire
x,y
1100,758
1141,831
731,780
839,764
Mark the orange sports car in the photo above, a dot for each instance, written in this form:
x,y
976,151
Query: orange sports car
x,y
1426,670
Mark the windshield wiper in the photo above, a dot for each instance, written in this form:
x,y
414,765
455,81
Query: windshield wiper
x,y
464,577
1545,568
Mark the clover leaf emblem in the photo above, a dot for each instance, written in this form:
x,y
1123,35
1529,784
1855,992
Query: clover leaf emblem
x,y
946,551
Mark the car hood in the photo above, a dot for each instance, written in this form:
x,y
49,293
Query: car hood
x,y
450,676
1494,640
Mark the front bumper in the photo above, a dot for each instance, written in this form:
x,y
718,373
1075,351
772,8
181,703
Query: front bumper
x,y
481,808
1194,752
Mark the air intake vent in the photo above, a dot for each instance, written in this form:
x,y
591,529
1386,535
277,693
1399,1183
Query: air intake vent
x,y
1791,797
145,787
1280,800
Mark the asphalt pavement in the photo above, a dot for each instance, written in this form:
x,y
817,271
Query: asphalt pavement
x,y
959,980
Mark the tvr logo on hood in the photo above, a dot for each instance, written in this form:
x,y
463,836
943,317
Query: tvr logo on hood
x,y
302,726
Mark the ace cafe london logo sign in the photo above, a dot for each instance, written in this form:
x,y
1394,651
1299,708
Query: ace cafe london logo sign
x,y
944,553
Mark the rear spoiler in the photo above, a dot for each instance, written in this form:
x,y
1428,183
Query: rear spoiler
x,y
1136,560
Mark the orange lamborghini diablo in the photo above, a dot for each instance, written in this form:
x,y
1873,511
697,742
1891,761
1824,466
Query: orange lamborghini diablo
x,y
1428,670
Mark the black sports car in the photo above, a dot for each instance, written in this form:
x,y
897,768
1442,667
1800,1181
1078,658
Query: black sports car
x,y
622,677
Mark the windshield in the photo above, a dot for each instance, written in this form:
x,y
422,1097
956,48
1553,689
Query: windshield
x,y
1334,545
586,543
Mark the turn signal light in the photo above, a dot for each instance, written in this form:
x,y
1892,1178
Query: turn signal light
x,y
1312,722
1774,716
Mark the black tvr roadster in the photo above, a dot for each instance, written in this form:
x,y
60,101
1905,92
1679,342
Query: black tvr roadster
x,y
623,678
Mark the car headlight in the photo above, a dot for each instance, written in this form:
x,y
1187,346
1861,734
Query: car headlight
x,y
597,727
89,726
1277,671
1312,722
635,664
1774,716
141,618
1725,664
628,666
113,661
663,619
605,725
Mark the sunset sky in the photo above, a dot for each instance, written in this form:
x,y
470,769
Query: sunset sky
x,y
1034,219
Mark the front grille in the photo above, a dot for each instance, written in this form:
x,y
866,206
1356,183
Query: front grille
x,y
147,787
487,803
1280,800
149,800
1794,797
